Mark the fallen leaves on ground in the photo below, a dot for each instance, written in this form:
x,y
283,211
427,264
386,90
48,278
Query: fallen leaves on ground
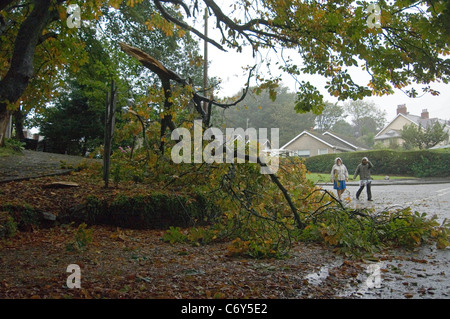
x,y
123,263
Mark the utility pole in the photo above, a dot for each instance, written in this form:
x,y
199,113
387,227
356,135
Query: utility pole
x,y
205,62
110,116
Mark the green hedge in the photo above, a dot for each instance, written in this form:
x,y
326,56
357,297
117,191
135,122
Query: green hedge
x,y
423,163
154,211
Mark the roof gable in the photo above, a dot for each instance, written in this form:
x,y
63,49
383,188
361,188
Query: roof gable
x,y
309,134
328,140
383,130
353,143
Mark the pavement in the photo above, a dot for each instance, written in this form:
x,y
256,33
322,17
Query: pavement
x,y
33,164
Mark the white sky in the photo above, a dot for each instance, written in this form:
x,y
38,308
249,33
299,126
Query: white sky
x,y
228,67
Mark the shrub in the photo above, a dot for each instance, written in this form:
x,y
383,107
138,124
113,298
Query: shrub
x,y
8,227
82,238
174,235
154,211
196,235
15,145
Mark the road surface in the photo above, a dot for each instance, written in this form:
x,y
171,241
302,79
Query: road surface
x,y
422,273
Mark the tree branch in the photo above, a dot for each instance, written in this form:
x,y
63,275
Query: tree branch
x,y
184,25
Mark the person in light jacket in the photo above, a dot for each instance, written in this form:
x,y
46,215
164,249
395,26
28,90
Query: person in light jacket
x,y
339,176
363,170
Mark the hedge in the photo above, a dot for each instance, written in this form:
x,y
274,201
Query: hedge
x,y
422,163
152,211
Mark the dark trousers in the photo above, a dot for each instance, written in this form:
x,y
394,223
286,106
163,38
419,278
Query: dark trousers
x,y
369,192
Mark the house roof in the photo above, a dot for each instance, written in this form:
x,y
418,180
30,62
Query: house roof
x,y
389,134
416,119
352,142
330,139
424,122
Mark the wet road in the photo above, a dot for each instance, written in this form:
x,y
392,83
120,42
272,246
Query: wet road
x,y
426,198
419,274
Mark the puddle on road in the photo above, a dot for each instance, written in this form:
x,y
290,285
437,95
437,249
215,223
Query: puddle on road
x,y
316,278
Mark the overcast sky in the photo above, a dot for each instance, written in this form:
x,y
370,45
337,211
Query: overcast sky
x,y
228,67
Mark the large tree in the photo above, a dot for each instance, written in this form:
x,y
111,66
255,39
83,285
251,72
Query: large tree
x,y
366,117
409,46
331,114
67,126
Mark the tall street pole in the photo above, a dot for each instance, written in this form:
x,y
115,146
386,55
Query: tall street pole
x,y
205,63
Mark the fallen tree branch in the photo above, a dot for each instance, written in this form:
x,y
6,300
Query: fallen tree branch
x,y
166,76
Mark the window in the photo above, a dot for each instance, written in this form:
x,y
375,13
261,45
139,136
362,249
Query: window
x,y
301,153
322,151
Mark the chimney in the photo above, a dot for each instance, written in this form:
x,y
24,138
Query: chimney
x,y
401,109
425,114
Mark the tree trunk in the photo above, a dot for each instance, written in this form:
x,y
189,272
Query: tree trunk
x,y
4,121
18,123
21,70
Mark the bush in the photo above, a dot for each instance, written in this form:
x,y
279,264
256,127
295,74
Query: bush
x,y
423,163
154,211
82,238
15,145
195,235
8,227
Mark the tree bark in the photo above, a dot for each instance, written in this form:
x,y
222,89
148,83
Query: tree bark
x,y
18,123
16,80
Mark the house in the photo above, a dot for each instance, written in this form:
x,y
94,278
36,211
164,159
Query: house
x,y
391,133
309,143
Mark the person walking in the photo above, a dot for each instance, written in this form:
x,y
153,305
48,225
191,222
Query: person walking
x,y
339,176
365,180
